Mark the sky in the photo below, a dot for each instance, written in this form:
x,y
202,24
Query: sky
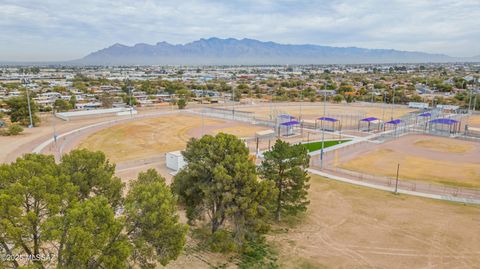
x,y
55,30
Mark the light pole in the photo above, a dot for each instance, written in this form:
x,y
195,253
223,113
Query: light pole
x,y
131,106
393,100
384,104
233,103
323,129
203,123
53,126
301,99
25,82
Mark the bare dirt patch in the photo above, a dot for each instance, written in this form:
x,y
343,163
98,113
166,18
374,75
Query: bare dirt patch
x,y
437,144
348,226
475,121
438,160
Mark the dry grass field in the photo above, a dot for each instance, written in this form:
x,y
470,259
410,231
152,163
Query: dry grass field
x,y
150,137
430,159
348,226
315,110
475,121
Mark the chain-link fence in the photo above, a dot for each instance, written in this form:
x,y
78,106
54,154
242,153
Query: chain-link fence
x,y
421,186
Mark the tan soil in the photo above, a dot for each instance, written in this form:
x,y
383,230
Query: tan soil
x,y
353,227
439,160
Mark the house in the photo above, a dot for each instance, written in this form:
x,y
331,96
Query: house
x,y
89,105
3,94
326,92
423,89
47,99
13,94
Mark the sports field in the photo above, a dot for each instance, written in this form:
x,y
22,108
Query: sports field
x,y
421,158
314,146
348,226
315,110
150,137
475,121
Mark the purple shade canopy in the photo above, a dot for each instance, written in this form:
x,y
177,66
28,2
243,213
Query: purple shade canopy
x,y
290,123
394,122
426,114
286,116
328,119
444,121
369,119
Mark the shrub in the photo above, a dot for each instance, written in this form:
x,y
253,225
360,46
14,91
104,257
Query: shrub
x,y
181,103
15,129
256,253
222,241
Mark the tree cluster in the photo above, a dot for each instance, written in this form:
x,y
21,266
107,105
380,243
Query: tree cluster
x,y
19,110
74,215
222,188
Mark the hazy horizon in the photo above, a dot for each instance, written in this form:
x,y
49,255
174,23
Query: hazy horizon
x,y
55,31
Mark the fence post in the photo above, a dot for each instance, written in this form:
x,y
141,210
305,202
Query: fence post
x,y
396,182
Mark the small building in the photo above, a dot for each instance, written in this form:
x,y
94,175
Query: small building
x,y
174,160
418,105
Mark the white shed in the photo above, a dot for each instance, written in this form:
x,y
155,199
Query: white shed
x,y
174,160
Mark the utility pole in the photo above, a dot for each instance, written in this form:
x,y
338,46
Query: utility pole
x,y
25,82
203,123
474,103
301,100
233,102
396,181
469,105
393,100
131,107
129,88
271,104
383,105
323,129
53,126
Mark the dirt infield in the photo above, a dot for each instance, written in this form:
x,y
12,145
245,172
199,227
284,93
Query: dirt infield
x,y
437,144
474,121
353,227
421,158
150,137
315,110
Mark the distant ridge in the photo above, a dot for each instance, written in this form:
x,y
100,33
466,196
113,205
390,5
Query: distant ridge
x,y
250,51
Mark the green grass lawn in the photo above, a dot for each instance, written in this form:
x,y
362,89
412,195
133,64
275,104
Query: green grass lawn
x,y
318,145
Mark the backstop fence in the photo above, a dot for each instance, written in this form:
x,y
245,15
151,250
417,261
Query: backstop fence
x,y
331,167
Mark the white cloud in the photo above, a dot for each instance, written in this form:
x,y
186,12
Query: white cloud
x,y
59,30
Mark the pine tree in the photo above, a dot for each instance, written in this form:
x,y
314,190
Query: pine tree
x,y
285,165
220,182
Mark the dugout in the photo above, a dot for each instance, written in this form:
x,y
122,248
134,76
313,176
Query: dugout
x,y
369,124
444,126
288,128
328,124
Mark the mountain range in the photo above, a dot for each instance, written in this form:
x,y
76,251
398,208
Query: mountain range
x,y
231,51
